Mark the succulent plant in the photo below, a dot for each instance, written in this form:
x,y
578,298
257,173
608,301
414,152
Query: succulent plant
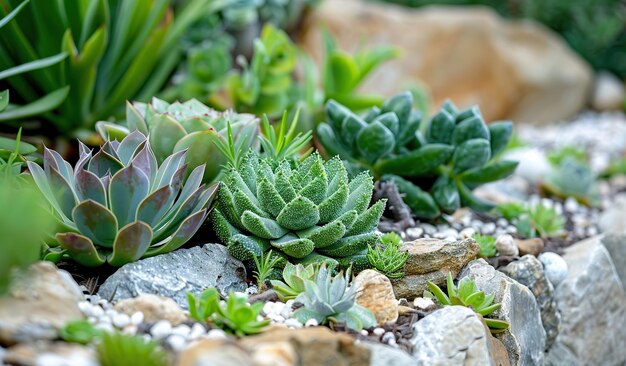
x,y
119,204
79,331
467,294
572,177
435,166
388,260
294,276
540,220
329,299
235,316
115,349
487,245
190,126
310,212
265,265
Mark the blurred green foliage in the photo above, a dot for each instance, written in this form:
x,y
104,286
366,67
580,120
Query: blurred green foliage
x,y
596,29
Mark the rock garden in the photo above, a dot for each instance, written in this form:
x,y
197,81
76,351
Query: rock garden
x,y
312,182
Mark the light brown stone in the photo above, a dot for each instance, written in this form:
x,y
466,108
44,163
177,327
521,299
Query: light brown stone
x,y
313,346
532,246
153,307
516,70
50,353
40,302
375,292
211,352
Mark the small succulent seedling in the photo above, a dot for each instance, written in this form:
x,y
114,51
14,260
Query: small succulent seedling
x,y
294,276
264,264
328,299
574,178
235,315
467,294
79,331
115,349
386,257
487,245
540,221
119,204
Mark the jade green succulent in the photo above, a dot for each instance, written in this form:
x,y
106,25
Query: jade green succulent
x,y
467,294
119,204
294,276
487,245
435,166
190,126
540,220
328,299
235,316
307,213
386,257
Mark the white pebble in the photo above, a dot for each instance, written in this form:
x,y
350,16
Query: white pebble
x,y
137,318
388,337
423,303
197,330
85,307
488,228
286,312
181,330
415,232
511,229
161,329
311,323
176,342
364,332
378,331
216,334
130,329
92,320
97,311
120,320
429,229
571,205
268,307
554,267
592,231
467,233
505,245
293,323
107,327
501,222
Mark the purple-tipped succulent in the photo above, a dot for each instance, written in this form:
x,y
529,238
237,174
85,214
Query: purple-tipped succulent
x,y
118,205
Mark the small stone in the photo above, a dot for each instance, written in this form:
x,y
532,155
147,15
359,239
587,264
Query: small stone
x,y
505,245
120,320
136,318
467,233
378,331
364,332
182,330
176,342
154,308
502,222
85,307
216,334
375,292
532,246
107,327
388,337
608,92
197,330
423,303
571,205
161,329
97,311
554,267
311,323
415,232
293,323
488,228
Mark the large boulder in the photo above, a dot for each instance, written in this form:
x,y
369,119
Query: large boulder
x,y
454,335
40,301
592,303
174,274
525,338
431,260
528,271
517,70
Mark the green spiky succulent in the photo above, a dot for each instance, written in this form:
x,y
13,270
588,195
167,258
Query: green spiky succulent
x,y
487,245
115,349
235,316
294,276
388,260
119,204
328,299
179,126
467,294
435,166
310,212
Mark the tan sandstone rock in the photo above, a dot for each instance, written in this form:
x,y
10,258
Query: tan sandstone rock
x,y
375,292
153,307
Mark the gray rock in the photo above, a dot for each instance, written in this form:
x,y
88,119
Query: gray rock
x,y
529,272
40,301
174,274
554,267
454,335
616,246
525,338
505,245
381,354
592,303
613,218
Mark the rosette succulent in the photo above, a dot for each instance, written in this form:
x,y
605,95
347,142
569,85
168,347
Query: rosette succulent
x,y
435,166
120,204
190,126
309,212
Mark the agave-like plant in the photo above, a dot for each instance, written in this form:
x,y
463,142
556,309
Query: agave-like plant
x,y
190,125
119,204
311,212
294,276
329,299
467,294
435,167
